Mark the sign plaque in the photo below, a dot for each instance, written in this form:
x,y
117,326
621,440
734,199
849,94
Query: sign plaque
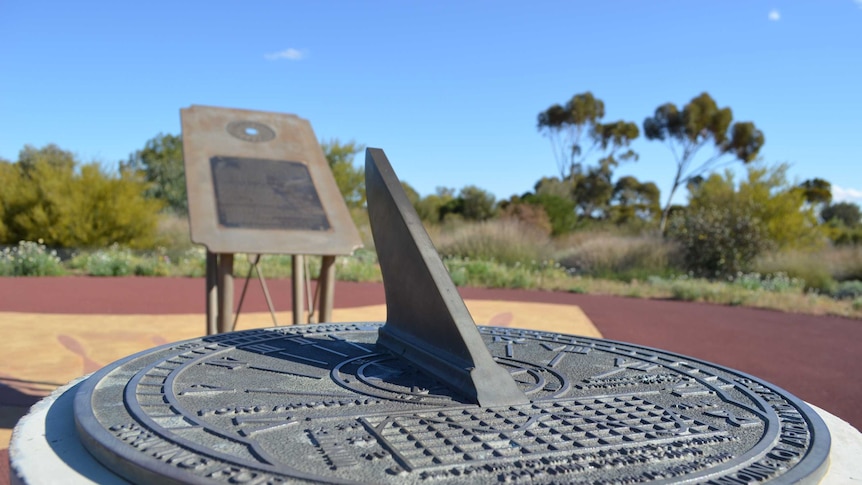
x,y
430,398
266,194
258,183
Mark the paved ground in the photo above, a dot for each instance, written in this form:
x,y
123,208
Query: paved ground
x,y
55,329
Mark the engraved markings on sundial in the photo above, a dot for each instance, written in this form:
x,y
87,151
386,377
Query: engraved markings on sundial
x,y
336,424
562,350
440,437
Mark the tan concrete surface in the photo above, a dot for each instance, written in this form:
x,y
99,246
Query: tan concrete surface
x,y
39,352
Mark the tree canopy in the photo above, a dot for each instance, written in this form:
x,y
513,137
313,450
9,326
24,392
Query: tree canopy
x,y
349,178
161,164
576,131
700,123
577,134
817,191
847,213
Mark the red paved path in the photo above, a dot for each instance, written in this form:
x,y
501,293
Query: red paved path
x,y
819,359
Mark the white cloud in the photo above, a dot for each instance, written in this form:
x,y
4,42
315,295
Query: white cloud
x,y
290,54
775,15
840,194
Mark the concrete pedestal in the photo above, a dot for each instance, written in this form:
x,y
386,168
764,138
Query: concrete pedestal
x,y
45,448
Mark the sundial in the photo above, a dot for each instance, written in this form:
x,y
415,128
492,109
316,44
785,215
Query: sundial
x,y
429,397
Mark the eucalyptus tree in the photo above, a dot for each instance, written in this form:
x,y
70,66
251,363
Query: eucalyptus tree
x,y
577,134
698,124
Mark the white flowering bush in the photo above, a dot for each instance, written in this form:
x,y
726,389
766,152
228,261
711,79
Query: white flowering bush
x,y
30,258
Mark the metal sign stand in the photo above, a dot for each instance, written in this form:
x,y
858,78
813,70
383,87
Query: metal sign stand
x,y
220,291
258,183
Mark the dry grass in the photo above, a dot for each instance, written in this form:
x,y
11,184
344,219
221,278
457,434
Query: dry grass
x,y
720,293
173,232
503,240
617,256
819,269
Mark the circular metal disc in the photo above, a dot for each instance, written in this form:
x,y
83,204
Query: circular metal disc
x,y
323,403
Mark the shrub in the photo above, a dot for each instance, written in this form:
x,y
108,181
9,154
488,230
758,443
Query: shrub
x,y
120,261
776,283
560,211
477,204
718,242
30,259
847,290
727,225
47,196
532,215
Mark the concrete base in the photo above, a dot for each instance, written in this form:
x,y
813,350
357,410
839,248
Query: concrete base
x,y
45,448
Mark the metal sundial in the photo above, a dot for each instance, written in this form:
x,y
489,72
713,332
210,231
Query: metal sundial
x,y
428,397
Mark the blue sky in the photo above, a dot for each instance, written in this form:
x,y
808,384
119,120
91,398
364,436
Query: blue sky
x,y
449,89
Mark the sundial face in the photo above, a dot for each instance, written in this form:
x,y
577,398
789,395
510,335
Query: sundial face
x,y
326,403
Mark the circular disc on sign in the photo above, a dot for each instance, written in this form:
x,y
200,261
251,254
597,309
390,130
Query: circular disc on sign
x,y
325,404
252,131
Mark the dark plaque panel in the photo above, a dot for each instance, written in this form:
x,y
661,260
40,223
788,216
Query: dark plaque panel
x,y
326,403
266,194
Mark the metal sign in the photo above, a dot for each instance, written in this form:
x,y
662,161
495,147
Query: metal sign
x,y
259,183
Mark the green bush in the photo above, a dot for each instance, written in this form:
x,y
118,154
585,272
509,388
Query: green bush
x,y
847,290
560,211
727,224
48,196
695,289
30,259
120,261
776,283
718,242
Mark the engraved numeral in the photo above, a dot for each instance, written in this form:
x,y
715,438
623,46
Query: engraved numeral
x,y
732,419
623,364
510,344
254,425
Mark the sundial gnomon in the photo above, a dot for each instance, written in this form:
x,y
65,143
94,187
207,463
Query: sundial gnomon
x,y
397,403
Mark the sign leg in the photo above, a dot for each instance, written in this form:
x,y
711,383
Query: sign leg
x,y
326,288
298,270
212,293
225,292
